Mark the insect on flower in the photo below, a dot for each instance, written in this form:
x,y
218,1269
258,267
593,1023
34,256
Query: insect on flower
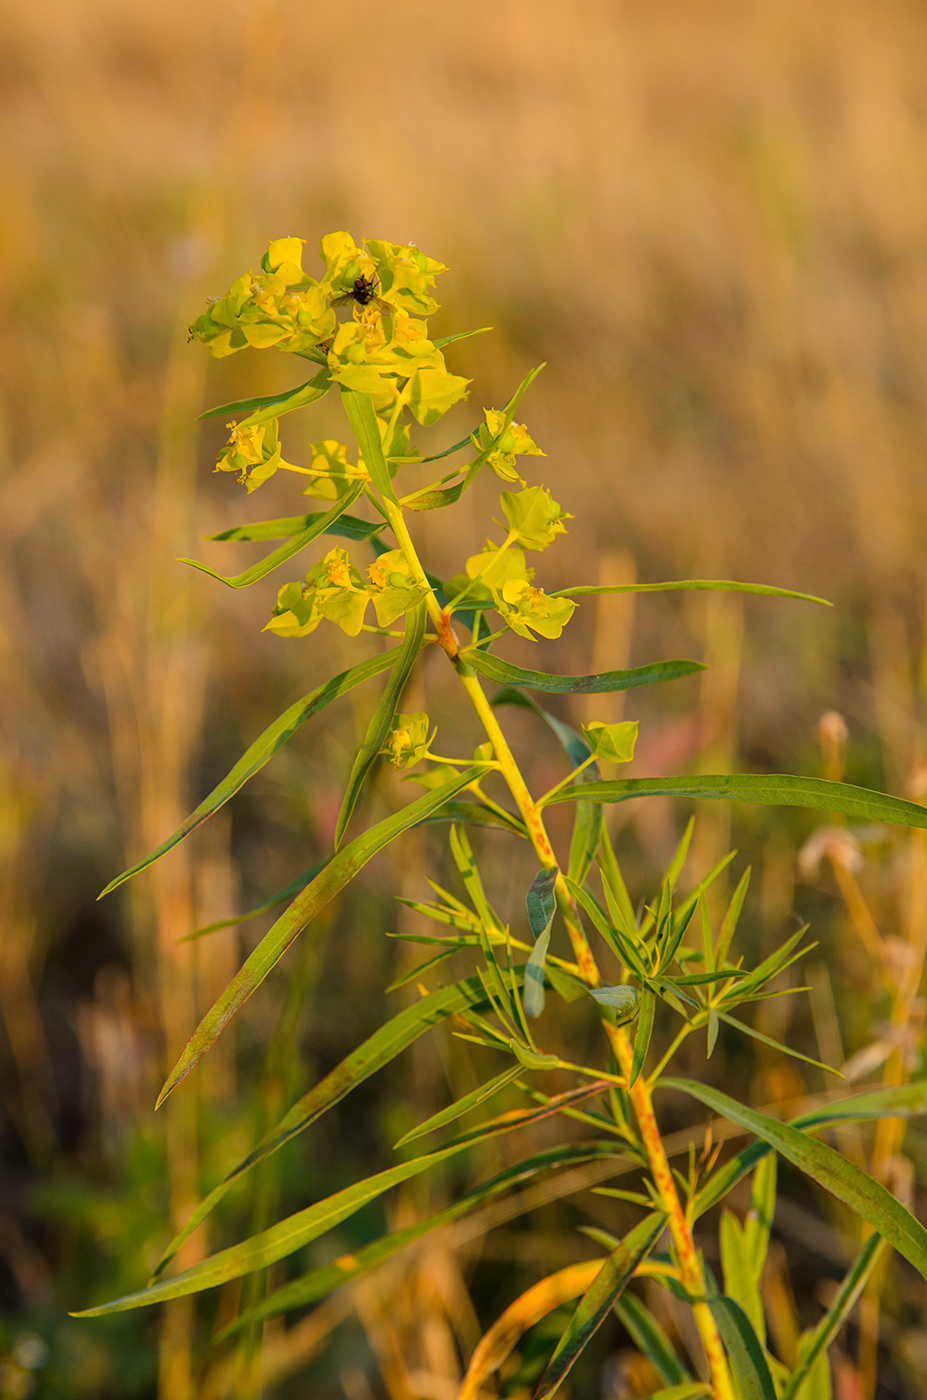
x,y
363,292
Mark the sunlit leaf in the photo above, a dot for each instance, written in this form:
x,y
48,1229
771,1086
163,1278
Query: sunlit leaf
x,y
274,405
771,789
377,1050
363,420
261,751
743,1347
347,527
382,719
340,870
865,1196
896,1101
815,1342
300,1292
320,526
598,1300
462,1106
704,585
503,672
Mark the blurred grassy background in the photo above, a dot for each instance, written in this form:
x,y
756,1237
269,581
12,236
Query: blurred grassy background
x,y
711,220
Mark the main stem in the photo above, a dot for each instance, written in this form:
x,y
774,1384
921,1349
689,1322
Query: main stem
x,y
689,1266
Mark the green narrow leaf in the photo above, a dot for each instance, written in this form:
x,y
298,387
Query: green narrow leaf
x,y
741,1279
815,1342
280,897
703,585
319,526
534,975
340,870
747,1360
346,527
275,405
381,722
366,429
902,1101
301,1229
643,1033
261,751
318,1283
599,1299
714,1025
462,1106
868,1198
650,1339
495,669
776,1044
541,902
729,922
772,789
378,1050
758,1223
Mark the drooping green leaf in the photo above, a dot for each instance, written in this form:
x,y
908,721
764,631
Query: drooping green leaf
x,y
462,1106
300,1292
382,719
704,585
815,1342
503,672
599,1299
650,1339
281,1239
377,1050
363,420
743,1347
898,1101
340,870
320,526
346,527
261,751
867,1197
771,789
643,1033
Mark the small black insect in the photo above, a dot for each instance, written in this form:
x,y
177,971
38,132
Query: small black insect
x,y
363,292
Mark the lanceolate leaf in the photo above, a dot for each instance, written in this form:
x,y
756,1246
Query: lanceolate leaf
x,y
284,1238
320,1282
340,870
280,897
273,405
816,1341
319,526
902,1101
648,1336
378,1050
743,1347
382,720
599,1299
708,585
868,1198
263,749
772,789
363,420
643,1033
346,527
462,1106
494,669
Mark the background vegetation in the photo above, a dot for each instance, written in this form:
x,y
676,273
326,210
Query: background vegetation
x,y
711,220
